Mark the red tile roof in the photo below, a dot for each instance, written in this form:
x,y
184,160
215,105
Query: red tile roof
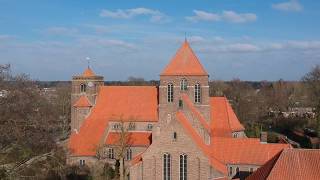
x,y
291,164
88,73
244,150
129,103
83,101
223,119
185,62
133,138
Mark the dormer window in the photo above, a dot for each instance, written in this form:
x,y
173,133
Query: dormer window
x,y
83,88
183,85
170,92
197,93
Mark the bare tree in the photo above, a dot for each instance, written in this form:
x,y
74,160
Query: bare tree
x,y
312,79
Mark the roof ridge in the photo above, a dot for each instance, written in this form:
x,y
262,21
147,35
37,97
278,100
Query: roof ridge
x,y
225,100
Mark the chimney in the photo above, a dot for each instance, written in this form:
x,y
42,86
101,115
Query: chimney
x,y
264,137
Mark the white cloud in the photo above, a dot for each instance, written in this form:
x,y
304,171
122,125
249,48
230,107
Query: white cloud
x,y
292,5
203,16
228,16
234,17
155,15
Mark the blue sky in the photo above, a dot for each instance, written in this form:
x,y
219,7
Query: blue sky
x,y
246,39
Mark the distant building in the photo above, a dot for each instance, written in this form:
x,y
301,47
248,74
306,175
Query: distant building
x,y
176,130
3,93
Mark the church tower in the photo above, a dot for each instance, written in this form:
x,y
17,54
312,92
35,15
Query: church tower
x,y
85,88
184,87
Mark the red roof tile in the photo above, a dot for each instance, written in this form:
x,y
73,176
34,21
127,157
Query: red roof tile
x,y
244,150
88,73
223,119
291,164
129,103
185,62
133,138
83,101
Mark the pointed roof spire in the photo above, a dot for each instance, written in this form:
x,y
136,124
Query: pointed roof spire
x,y
88,72
185,62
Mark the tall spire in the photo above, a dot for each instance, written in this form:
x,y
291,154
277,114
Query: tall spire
x,y
185,62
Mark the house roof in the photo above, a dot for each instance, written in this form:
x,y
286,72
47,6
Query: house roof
x,y
223,119
185,62
132,138
88,72
83,101
127,103
244,150
291,164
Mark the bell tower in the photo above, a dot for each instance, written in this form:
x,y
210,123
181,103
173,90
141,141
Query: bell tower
x,y
184,87
85,88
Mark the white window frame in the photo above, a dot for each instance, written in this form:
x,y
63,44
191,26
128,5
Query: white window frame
x,y
149,127
82,162
183,84
197,93
129,154
110,153
170,92
166,166
183,167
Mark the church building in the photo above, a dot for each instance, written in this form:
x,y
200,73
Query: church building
x,y
175,131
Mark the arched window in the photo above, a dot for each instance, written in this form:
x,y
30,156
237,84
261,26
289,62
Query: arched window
x,y
197,93
83,88
183,85
166,167
129,154
183,167
170,92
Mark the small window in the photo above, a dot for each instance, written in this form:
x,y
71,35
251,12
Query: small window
x,y
110,153
237,170
150,126
116,126
132,126
183,85
82,162
230,171
251,170
180,103
170,92
197,93
235,135
129,154
174,136
83,88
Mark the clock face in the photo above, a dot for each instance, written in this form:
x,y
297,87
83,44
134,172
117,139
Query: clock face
x,y
90,84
